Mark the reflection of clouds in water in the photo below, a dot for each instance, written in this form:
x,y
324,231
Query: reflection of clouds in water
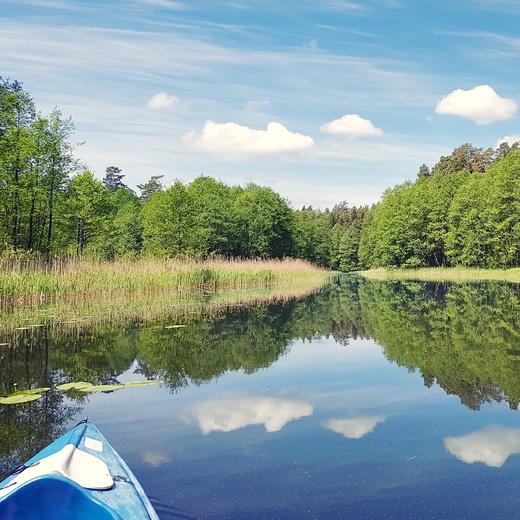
x,y
155,458
356,427
491,445
225,415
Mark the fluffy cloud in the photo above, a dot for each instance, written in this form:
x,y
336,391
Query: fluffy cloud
x,y
480,104
356,427
351,125
491,445
228,414
509,139
162,100
231,140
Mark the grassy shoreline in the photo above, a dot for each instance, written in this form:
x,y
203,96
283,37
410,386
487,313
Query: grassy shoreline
x,y
442,274
21,285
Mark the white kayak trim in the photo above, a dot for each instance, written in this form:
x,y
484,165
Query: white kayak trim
x,y
86,470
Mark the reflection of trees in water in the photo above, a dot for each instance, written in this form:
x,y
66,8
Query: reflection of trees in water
x,y
26,429
215,339
465,337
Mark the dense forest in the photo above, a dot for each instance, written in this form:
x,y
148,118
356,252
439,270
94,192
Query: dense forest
x,y
53,206
462,212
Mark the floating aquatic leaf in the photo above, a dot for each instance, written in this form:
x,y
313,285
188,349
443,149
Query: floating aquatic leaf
x,y
22,328
142,383
19,398
78,385
174,326
100,388
31,391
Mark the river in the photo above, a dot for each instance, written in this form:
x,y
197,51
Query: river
x,y
365,400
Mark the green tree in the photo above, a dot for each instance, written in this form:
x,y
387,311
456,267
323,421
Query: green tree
x,y
85,212
311,236
113,179
212,231
150,187
168,220
17,113
53,163
124,234
264,222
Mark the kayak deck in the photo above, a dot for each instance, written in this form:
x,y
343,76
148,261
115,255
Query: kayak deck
x,y
65,471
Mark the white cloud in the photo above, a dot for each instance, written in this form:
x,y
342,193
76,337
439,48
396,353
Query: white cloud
x,y
351,125
231,140
491,445
162,100
232,413
509,139
257,104
480,104
356,427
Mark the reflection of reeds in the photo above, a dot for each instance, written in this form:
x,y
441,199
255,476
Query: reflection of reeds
x,y
141,309
23,282
442,274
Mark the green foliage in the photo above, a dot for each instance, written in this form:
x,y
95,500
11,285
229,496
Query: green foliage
x,y
263,222
485,218
85,211
113,179
150,187
124,234
168,219
311,235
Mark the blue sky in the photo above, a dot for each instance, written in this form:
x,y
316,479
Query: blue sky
x,y
323,101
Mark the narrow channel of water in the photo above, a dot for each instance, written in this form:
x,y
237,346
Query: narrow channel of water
x,y
363,400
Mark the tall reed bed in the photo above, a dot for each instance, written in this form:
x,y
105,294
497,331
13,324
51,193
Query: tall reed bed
x,y
24,282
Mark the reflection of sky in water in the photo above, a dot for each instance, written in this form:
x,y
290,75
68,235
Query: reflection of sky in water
x,y
492,445
231,413
279,443
356,427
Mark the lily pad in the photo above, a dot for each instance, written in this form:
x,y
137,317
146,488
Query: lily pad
x,y
141,383
31,391
100,388
78,385
19,398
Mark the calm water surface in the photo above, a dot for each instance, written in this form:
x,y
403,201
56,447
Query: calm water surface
x,y
364,400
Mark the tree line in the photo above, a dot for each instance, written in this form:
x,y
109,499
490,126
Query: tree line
x,y
462,212
53,206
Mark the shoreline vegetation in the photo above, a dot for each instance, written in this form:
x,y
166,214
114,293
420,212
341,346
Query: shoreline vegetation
x,y
441,274
30,283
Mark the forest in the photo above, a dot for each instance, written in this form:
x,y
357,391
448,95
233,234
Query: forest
x,y
464,211
52,206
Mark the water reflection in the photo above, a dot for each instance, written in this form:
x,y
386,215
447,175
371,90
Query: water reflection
x,y
233,412
463,338
492,445
354,427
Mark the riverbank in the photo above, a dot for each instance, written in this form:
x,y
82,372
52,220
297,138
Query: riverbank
x,y
442,274
23,284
